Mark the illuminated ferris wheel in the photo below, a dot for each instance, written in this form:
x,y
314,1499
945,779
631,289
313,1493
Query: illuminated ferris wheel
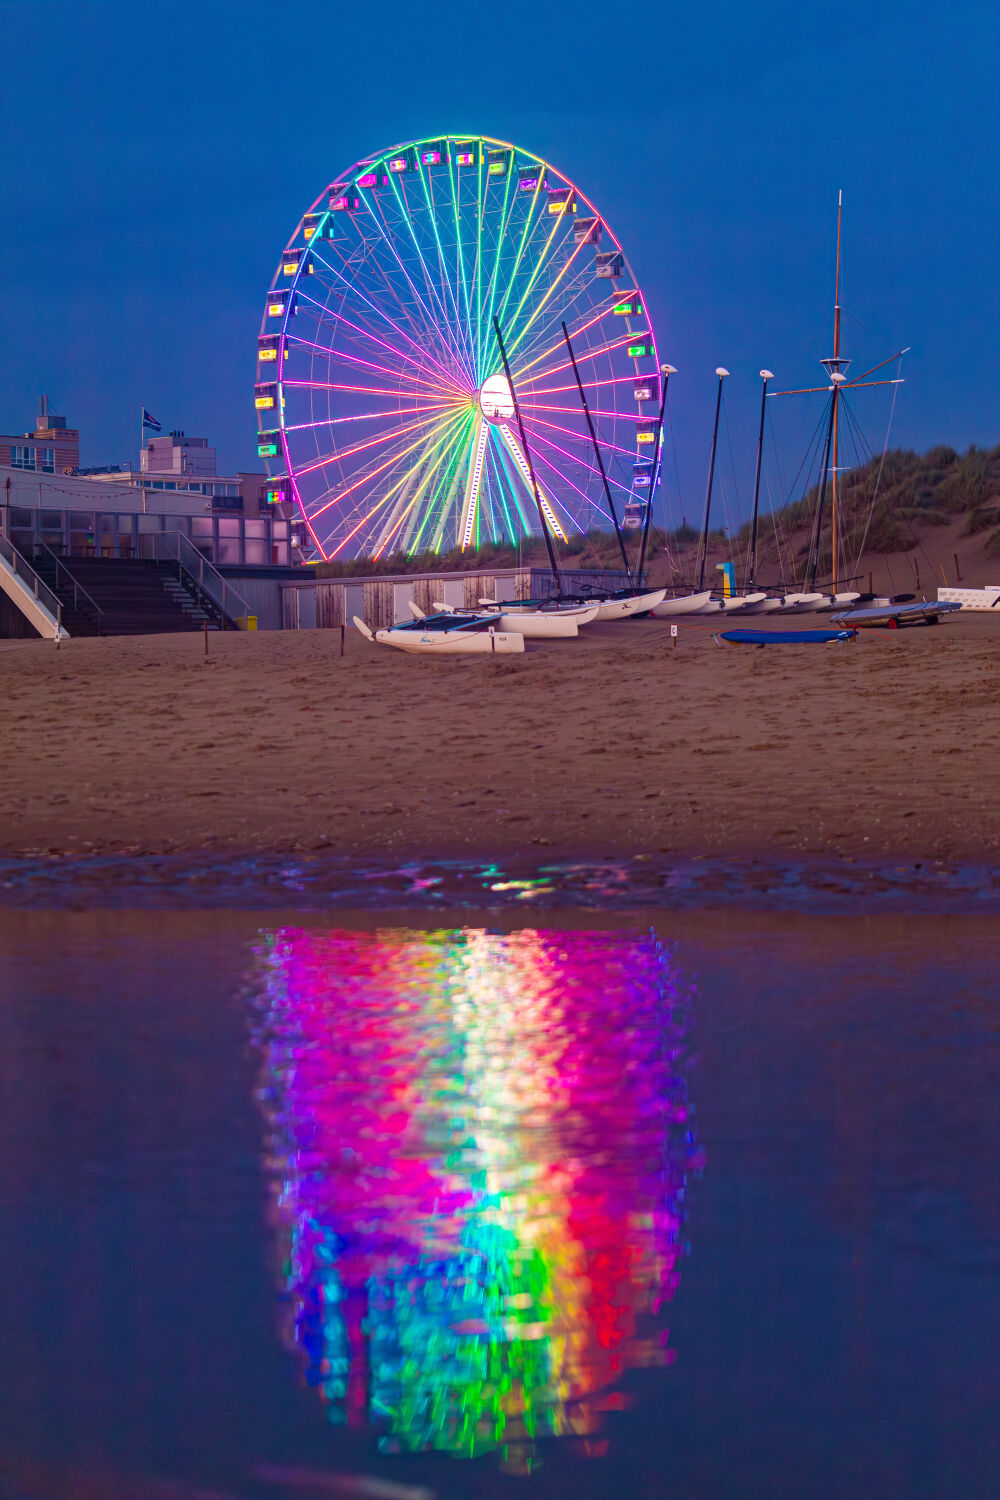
x,y
384,409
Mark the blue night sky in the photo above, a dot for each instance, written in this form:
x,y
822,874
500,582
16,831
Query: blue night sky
x,y
158,156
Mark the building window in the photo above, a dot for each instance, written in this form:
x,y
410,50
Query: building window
x,y
21,456
47,457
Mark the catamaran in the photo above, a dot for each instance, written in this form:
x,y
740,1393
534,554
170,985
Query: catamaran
x,y
445,634
538,619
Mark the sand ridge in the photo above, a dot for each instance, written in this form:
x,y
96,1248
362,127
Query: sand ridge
x,y
615,744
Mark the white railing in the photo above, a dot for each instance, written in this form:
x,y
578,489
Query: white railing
x,y
174,546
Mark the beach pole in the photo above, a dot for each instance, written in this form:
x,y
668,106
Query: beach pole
x,y
206,636
343,633
958,571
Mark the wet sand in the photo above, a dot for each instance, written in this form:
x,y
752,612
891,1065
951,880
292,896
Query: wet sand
x,y
614,745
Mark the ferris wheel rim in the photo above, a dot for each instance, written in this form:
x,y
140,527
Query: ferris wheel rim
x,y
294,470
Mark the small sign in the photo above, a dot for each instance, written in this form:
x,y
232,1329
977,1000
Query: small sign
x,y
673,630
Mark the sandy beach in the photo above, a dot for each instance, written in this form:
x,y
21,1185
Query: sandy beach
x,y
617,744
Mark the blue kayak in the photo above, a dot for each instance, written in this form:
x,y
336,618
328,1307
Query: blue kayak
x,y
784,637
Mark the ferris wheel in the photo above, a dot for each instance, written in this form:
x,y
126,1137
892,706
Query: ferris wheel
x,y
384,409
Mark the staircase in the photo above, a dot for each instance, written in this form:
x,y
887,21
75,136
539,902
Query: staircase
x,y
125,596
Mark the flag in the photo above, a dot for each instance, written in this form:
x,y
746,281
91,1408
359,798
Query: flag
x,y
150,422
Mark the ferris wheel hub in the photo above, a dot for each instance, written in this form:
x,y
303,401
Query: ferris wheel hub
x,y
495,400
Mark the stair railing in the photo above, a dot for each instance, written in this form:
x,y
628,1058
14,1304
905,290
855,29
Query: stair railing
x,y
79,592
20,565
175,546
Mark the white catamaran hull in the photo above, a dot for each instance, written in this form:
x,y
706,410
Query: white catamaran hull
x,y
556,622
802,604
687,604
451,642
635,604
765,606
547,624
741,603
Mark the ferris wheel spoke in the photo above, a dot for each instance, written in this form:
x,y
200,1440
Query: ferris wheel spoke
x,y
422,390
592,384
344,356
503,486
433,321
425,329
387,459
432,393
553,285
554,349
453,293
564,480
542,441
415,506
424,359
435,508
459,257
510,481
382,442
551,328
473,482
350,282
367,515
614,416
491,290
534,489
443,325
484,321
526,234
398,433
586,355
434,292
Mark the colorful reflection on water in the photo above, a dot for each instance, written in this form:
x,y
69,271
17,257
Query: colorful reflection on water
x,y
479,1145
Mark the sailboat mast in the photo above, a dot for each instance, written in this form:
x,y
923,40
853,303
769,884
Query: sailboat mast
x,y
836,394
814,548
751,582
711,479
597,455
666,371
556,576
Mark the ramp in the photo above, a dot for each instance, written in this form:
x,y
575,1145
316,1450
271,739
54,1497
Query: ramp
x,y
30,594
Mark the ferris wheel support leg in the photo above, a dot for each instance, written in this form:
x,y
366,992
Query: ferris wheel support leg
x,y
472,485
522,464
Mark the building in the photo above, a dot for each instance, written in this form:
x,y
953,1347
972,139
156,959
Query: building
x,y
53,448
175,463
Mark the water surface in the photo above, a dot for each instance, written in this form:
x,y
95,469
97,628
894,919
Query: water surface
x,y
696,1206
